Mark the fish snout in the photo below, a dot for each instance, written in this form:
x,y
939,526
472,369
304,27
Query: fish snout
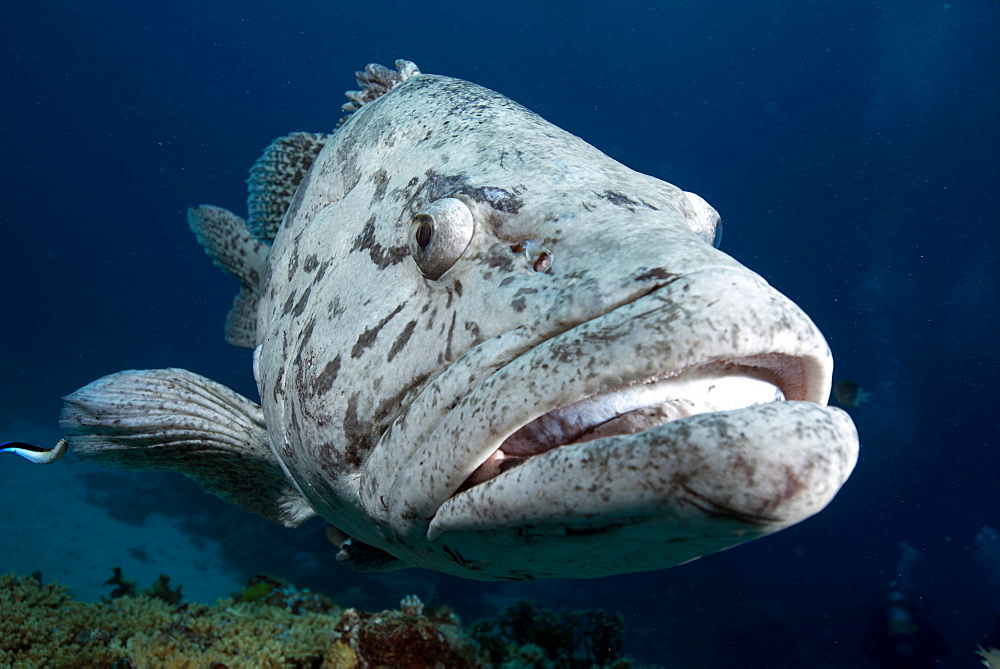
x,y
704,342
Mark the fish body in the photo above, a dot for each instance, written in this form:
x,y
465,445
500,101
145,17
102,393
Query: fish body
x,y
484,347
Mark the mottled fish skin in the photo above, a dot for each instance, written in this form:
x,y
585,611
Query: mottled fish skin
x,y
380,387
484,347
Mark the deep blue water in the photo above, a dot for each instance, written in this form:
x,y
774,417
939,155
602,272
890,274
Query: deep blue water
x,y
850,147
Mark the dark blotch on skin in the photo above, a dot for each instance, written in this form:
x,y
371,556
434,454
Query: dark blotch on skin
x,y
358,438
276,390
380,255
363,434
473,327
793,488
367,338
401,340
301,304
325,380
620,200
307,332
297,199
497,198
451,333
322,270
381,180
391,407
329,458
438,186
311,263
656,273
501,261
289,303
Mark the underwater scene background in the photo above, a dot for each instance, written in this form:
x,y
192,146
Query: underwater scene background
x,y
851,149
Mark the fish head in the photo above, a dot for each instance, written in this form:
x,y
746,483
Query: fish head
x,y
489,349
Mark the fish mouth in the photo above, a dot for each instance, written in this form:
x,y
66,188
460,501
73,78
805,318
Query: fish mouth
x,y
721,385
638,417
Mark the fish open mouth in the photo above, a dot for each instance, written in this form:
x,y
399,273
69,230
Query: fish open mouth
x,y
704,398
647,404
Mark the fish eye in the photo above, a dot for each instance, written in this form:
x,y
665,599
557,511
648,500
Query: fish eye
x,y
441,233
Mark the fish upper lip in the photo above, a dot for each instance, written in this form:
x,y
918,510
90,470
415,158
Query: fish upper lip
x,y
741,320
648,403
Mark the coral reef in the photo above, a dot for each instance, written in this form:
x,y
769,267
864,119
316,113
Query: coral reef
x,y
522,635
403,638
160,589
41,626
272,624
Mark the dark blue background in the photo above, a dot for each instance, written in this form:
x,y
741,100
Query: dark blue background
x,y
851,148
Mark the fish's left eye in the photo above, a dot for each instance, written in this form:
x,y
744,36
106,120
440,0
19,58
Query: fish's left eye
x,y
441,233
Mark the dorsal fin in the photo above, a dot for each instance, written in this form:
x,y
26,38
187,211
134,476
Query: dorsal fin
x,y
275,177
277,174
377,80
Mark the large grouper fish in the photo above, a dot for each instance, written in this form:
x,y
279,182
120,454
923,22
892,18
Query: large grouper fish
x,y
484,347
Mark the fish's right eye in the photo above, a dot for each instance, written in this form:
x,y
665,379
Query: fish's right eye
x,y
441,233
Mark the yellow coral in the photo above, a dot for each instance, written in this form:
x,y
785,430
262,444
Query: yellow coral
x,y
40,626
340,655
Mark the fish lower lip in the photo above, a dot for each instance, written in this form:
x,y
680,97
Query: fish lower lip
x,y
721,477
636,407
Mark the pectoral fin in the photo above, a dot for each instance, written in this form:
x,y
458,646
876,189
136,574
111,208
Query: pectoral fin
x,y
172,419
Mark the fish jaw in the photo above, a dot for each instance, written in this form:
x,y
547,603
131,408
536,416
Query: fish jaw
x,y
726,318
654,499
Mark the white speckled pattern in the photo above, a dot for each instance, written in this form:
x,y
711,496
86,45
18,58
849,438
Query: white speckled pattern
x,y
395,354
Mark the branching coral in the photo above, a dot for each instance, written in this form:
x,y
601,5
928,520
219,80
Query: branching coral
x,y
526,636
272,624
41,626
268,624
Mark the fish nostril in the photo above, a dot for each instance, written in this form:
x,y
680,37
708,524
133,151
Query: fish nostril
x,y
538,258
